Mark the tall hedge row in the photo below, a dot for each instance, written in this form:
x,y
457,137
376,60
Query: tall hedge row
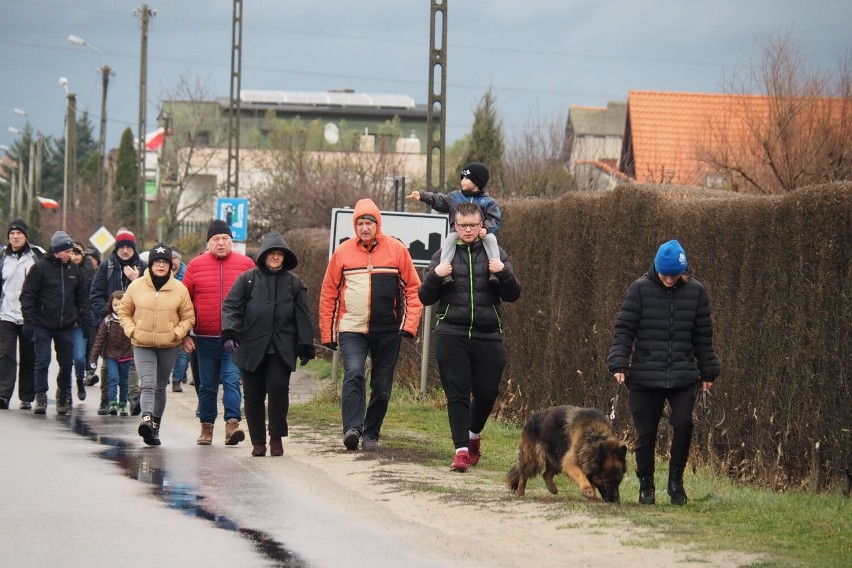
x,y
777,271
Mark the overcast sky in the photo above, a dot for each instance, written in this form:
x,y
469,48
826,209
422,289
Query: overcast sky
x,y
540,56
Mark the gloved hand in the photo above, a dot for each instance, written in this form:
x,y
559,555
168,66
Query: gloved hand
x,y
230,346
406,334
331,345
305,353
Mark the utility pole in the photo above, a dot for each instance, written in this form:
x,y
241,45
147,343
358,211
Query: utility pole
x,y
70,155
144,15
100,192
436,133
232,184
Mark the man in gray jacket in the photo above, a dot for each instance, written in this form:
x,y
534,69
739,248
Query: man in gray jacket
x,y
15,261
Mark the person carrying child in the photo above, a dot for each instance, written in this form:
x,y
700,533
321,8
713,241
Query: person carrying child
x,y
117,351
474,178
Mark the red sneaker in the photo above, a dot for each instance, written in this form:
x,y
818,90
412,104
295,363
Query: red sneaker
x,y
473,450
461,462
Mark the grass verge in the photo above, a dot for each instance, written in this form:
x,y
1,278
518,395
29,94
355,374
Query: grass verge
x,y
788,529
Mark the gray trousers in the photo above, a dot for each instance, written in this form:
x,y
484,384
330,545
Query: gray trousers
x,y
448,246
155,368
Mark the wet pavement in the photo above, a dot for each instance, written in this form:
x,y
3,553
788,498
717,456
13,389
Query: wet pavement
x,y
84,490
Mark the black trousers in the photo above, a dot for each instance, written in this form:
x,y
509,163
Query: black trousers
x,y
471,370
646,406
270,380
17,357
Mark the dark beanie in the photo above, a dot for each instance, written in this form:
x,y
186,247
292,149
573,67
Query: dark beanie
x,y
60,241
670,259
125,238
160,252
477,173
218,227
18,225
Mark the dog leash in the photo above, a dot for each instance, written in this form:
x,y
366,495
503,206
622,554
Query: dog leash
x,y
614,404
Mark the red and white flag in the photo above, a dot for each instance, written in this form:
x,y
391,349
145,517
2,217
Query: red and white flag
x,y
153,140
47,203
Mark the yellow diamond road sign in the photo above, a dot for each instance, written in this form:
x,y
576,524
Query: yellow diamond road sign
x,y
102,239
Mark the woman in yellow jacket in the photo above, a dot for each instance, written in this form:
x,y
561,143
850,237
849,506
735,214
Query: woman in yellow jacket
x,y
156,313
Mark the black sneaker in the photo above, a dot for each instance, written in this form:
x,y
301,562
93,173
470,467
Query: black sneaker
x,y
148,429
103,409
176,387
369,444
81,390
135,406
91,379
26,405
4,404
40,403
350,440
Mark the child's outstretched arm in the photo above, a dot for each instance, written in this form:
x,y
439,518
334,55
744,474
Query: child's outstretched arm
x,y
437,201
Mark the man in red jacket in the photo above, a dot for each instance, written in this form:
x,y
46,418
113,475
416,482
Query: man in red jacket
x,y
209,278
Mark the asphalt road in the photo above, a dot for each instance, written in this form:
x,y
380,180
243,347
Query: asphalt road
x,y
83,490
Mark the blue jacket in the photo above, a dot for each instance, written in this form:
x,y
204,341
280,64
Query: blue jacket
x,y
448,202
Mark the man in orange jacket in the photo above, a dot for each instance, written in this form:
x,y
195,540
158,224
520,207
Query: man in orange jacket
x,y
367,302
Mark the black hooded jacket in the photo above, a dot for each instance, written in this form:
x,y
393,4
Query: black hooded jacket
x,y
663,336
54,295
268,311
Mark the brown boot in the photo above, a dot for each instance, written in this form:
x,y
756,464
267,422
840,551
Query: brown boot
x,y
206,437
233,433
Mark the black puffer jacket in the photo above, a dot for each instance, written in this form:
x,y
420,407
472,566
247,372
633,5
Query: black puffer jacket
x,y
54,295
470,306
663,336
268,311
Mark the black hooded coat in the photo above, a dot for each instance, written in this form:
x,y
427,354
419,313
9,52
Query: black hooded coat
x,y
267,312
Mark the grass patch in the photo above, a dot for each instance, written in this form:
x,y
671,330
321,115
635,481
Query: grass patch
x,y
789,528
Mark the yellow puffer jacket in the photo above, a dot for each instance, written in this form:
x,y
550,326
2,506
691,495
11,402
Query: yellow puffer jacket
x,y
156,318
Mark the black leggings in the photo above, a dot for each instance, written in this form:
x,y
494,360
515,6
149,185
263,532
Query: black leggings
x,y
470,370
272,378
646,406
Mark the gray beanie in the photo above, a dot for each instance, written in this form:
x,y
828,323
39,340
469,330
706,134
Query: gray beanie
x,y
60,241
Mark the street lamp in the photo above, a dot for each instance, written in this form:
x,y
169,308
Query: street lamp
x,y
106,71
68,187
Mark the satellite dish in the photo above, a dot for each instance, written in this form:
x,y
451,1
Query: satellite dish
x,y
332,134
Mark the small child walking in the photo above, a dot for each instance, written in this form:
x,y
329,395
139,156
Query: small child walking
x,y
115,347
474,178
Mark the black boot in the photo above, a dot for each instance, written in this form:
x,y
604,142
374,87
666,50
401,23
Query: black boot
x,y
646,490
155,422
676,490
61,401
103,409
148,430
81,389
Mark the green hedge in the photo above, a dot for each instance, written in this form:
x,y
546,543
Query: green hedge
x,y
776,268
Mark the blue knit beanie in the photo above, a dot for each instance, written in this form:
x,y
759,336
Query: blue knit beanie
x,y
670,259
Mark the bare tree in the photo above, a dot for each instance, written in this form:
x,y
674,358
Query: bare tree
x,y
784,124
187,158
305,184
533,164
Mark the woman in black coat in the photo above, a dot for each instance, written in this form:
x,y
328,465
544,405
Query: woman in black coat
x,y
662,348
266,325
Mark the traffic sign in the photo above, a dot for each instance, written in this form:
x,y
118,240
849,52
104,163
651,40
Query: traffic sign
x,y
421,233
102,240
234,212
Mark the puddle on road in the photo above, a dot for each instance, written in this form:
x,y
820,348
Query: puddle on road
x,y
146,466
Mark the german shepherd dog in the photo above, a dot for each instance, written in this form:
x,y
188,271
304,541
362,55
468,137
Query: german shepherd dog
x,y
576,441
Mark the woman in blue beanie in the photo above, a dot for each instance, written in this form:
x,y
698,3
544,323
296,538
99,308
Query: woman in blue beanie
x,y
662,348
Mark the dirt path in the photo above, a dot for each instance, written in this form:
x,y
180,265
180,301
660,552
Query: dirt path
x,y
473,517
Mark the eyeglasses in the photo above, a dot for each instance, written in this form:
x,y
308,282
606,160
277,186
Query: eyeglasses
x,y
468,226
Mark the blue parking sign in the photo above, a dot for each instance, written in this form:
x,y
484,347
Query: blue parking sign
x,y
234,212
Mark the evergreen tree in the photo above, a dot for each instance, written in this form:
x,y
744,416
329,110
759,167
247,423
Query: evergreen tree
x,y
485,144
126,181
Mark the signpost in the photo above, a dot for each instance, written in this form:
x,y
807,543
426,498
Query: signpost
x,y
421,233
234,212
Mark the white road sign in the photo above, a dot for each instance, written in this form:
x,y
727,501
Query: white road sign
x,y
422,233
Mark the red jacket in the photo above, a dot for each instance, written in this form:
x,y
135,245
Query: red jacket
x,y
369,290
209,279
